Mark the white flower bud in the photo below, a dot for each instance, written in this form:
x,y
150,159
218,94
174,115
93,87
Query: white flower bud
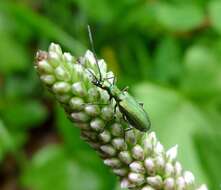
x,y
172,153
105,136
120,172
80,117
147,188
113,162
48,79
107,113
119,144
78,89
92,110
116,130
155,181
76,103
63,98
61,87
130,137
45,67
125,183
169,184
136,178
137,167
202,187
55,48
68,57
89,56
153,138
137,152
160,163
97,124
93,94
62,74
150,166
178,168
125,157
169,169
180,183
189,178
158,149
54,58
108,149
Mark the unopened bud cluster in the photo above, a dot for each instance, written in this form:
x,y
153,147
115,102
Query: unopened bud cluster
x,y
139,159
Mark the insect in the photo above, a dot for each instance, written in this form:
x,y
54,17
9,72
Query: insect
x,y
132,111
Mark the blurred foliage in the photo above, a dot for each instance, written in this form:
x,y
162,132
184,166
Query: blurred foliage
x,y
167,51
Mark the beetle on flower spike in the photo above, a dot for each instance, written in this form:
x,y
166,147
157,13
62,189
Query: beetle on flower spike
x,y
132,111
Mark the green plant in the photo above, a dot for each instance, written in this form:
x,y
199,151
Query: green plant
x,y
139,159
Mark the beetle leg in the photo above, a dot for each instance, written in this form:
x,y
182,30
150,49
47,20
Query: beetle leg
x,y
128,129
141,104
125,88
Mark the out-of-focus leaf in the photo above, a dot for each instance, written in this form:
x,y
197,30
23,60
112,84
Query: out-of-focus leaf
x,y
22,114
181,17
215,14
51,167
12,54
202,76
43,27
208,147
6,141
175,120
167,60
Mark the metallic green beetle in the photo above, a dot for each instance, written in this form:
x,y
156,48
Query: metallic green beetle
x,y
131,110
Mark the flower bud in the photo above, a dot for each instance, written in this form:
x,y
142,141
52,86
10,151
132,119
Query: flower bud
x,y
76,103
116,130
125,157
120,172
169,184
92,110
136,167
61,87
137,152
155,181
80,117
62,74
108,149
119,144
105,136
150,166
48,79
78,89
113,162
136,178
97,124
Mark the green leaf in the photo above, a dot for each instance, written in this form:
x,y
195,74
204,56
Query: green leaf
x,y
167,60
6,141
208,147
175,120
42,26
22,114
13,56
201,79
51,167
215,14
181,17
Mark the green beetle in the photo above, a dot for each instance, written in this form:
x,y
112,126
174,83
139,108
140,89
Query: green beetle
x,y
131,110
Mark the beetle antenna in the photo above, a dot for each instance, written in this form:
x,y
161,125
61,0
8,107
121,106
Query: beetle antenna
x,y
93,49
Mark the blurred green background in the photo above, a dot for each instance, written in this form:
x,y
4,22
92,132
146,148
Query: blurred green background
x,y
167,51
